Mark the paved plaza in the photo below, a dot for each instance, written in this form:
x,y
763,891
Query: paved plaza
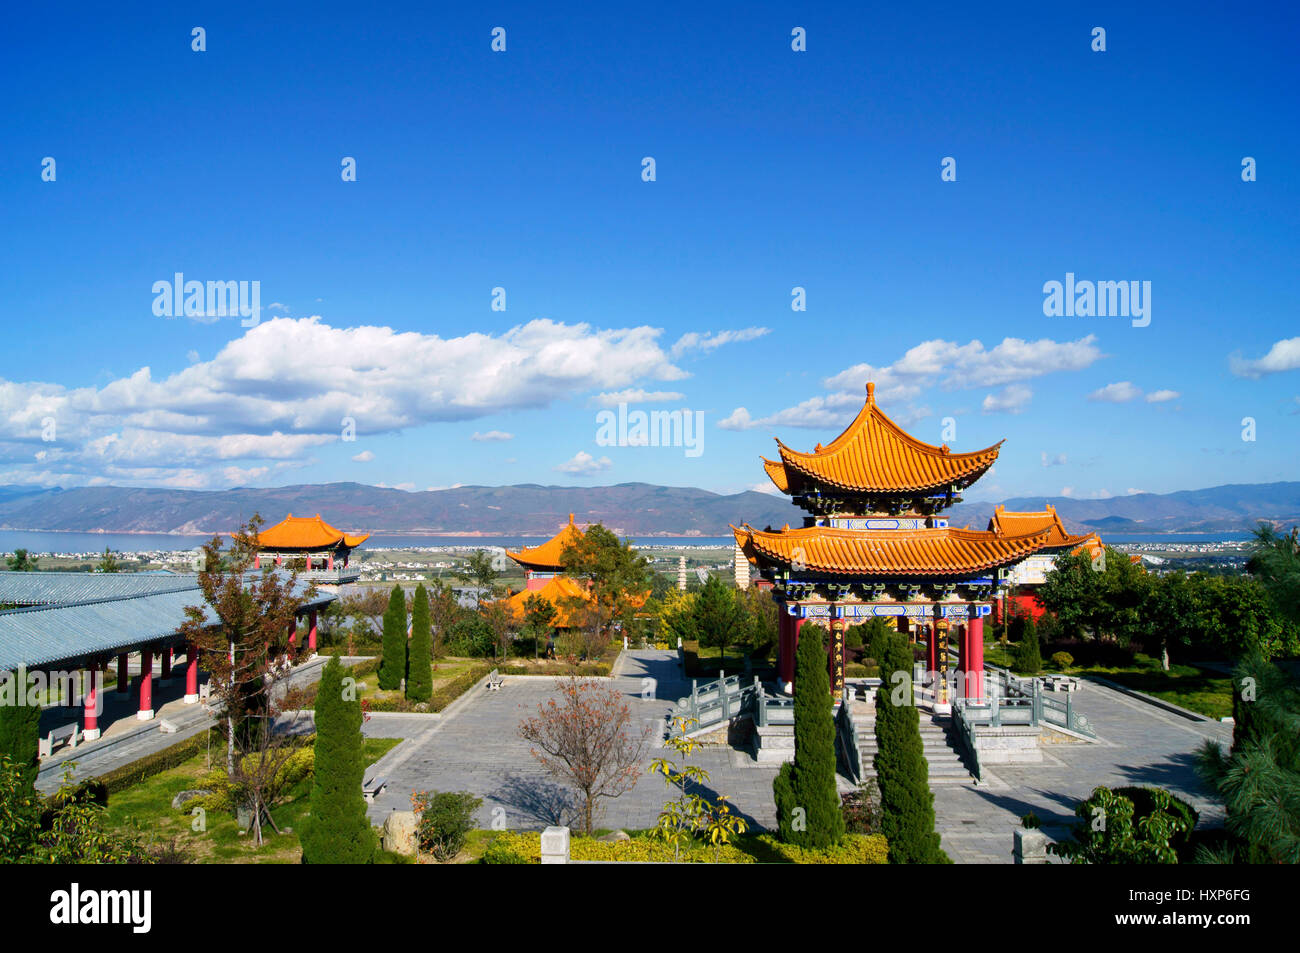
x,y
474,746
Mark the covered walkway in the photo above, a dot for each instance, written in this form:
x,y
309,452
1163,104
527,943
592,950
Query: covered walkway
x,y
64,632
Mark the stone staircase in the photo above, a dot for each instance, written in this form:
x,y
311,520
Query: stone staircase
x,y
943,749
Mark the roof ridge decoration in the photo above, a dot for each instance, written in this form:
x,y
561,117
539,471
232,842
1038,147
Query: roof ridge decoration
x,y
874,454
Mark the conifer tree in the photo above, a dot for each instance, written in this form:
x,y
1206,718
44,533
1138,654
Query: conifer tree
x,y
392,665
807,802
1029,655
337,831
419,674
20,727
906,804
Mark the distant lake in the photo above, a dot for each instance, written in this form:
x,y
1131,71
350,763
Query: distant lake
x,y
154,542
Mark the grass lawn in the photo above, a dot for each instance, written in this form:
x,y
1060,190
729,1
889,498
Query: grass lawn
x,y
1206,692
146,809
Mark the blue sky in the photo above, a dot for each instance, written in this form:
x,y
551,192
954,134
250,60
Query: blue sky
x,y
522,170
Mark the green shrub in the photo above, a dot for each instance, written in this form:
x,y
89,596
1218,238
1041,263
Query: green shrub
x,y
337,831
1028,659
419,673
861,809
808,806
470,636
445,818
502,851
907,805
1062,660
393,668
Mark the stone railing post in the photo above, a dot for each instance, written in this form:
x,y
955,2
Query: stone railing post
x,y
1030,847
555,845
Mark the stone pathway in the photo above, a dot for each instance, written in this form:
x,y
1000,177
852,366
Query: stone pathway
x,y
475,746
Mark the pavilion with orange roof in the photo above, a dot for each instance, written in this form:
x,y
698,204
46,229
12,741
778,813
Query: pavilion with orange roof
x,y
546,561
1032,572
310,538
874,545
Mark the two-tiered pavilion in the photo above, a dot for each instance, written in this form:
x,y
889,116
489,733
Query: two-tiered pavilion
x,y
874,545
1032,572
544,575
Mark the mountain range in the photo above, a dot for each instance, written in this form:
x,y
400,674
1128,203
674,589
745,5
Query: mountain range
x,y
634,509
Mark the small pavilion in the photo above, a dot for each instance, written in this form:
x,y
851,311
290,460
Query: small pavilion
x,y
1031,572
309,538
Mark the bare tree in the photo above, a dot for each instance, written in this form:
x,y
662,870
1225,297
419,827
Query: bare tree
x,y
583,736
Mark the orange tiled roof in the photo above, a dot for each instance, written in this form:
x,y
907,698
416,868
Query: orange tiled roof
x,y
306,532
1009,523
918,552
548,554
556,590
874,454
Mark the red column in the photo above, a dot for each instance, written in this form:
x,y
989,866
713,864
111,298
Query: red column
x,y
311,631
330,560
277,559
91,704
166,655
293,631
191,674
123,675
975,670
257,560
146,686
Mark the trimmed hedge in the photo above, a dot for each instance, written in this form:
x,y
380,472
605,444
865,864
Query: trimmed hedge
x,y
119,779
524,847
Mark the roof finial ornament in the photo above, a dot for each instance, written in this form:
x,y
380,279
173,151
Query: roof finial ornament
x,y
570,517
871,391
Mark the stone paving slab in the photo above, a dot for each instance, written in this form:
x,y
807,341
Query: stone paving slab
x,y
476,747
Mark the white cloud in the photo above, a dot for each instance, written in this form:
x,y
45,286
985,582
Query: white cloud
x,y
365,456
1160,396
492,436
739,419
1053,461
1012,399
936,363
636,395
694,342
1067,491
192,356
1282,356
1132,491
582,463
1117,393
767,486
284,386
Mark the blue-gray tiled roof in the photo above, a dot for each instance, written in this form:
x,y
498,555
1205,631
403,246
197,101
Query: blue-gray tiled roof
x,y
76,616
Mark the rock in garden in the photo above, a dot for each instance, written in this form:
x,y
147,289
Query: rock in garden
x,y
399,833
179,800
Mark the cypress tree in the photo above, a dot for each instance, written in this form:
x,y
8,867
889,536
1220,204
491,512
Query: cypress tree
x,y
338,831
20,727
392,665
906,803
809,783
419,674
1029,656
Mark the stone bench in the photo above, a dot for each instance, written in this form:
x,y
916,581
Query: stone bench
x,y
69,733
495,681
372,788
1061,683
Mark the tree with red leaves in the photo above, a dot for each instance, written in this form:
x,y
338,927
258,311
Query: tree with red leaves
x,y
246,650
584,737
